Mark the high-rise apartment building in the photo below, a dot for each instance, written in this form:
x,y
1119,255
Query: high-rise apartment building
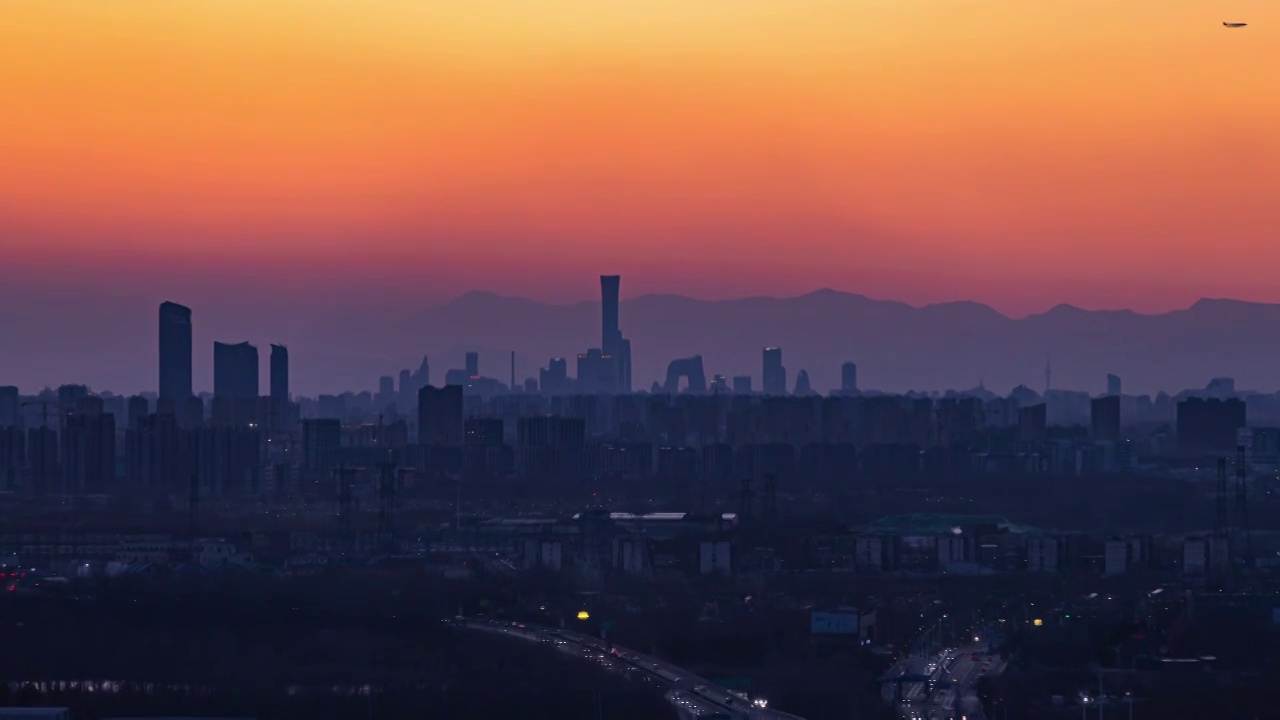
x,y
279,373
849,377
175,351
440,416
235,371
774,380
1113,384
1104,418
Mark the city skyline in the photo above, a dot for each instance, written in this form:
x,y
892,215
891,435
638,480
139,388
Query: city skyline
x,y
768,359
671,330
1013,155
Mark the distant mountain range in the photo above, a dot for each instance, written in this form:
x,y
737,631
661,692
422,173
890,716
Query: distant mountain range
x,y
897,347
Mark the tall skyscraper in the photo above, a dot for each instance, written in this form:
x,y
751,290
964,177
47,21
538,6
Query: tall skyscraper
x,y
13,456
611,341
849,377
774,380
473,364
138,409
554,378
88,448
611,337
1113,384
422,378
175,351
440,416
279,373
235,371
321,440
10,406
1104,418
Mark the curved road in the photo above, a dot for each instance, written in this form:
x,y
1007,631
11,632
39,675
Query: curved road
x,y
692,696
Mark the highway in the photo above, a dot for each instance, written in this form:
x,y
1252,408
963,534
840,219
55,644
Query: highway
x,y
691,696
952,677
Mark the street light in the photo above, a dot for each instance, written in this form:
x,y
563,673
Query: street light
x,y
1084,706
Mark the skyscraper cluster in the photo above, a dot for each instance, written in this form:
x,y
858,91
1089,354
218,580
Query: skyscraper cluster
x,y
606,370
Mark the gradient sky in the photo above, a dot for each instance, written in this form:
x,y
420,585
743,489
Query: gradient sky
x,y
1016,153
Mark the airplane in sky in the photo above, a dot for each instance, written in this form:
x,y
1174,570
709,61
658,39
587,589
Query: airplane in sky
x,y
1234,25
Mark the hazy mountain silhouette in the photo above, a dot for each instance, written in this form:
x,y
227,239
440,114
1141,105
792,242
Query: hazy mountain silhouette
x,y
897,347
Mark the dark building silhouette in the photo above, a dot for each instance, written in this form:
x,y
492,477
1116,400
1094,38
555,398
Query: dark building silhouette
x,y
321,443
69,396
472,364
611,341
774,376
1113,385
483,431
175,351
1104,418
235,371
691,370
554,378
597,373
803,387
440,416
229,461
1033,425
190,412
13,456
742,384
160,455
550,447
88,448
42,460
10,407
422,378
236,402
279,373
1209,426
138,409
849,377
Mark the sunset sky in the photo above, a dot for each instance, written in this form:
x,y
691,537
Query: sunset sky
x,y
1017,153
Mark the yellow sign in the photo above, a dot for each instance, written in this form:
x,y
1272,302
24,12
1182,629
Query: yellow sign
x,y
584,615
1037,622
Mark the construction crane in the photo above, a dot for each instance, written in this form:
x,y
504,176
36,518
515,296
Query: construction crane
x,y
44,410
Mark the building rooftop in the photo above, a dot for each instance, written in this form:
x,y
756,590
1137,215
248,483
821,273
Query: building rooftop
x,y
937,524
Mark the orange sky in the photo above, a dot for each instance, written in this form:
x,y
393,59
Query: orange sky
x,y
1012,152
